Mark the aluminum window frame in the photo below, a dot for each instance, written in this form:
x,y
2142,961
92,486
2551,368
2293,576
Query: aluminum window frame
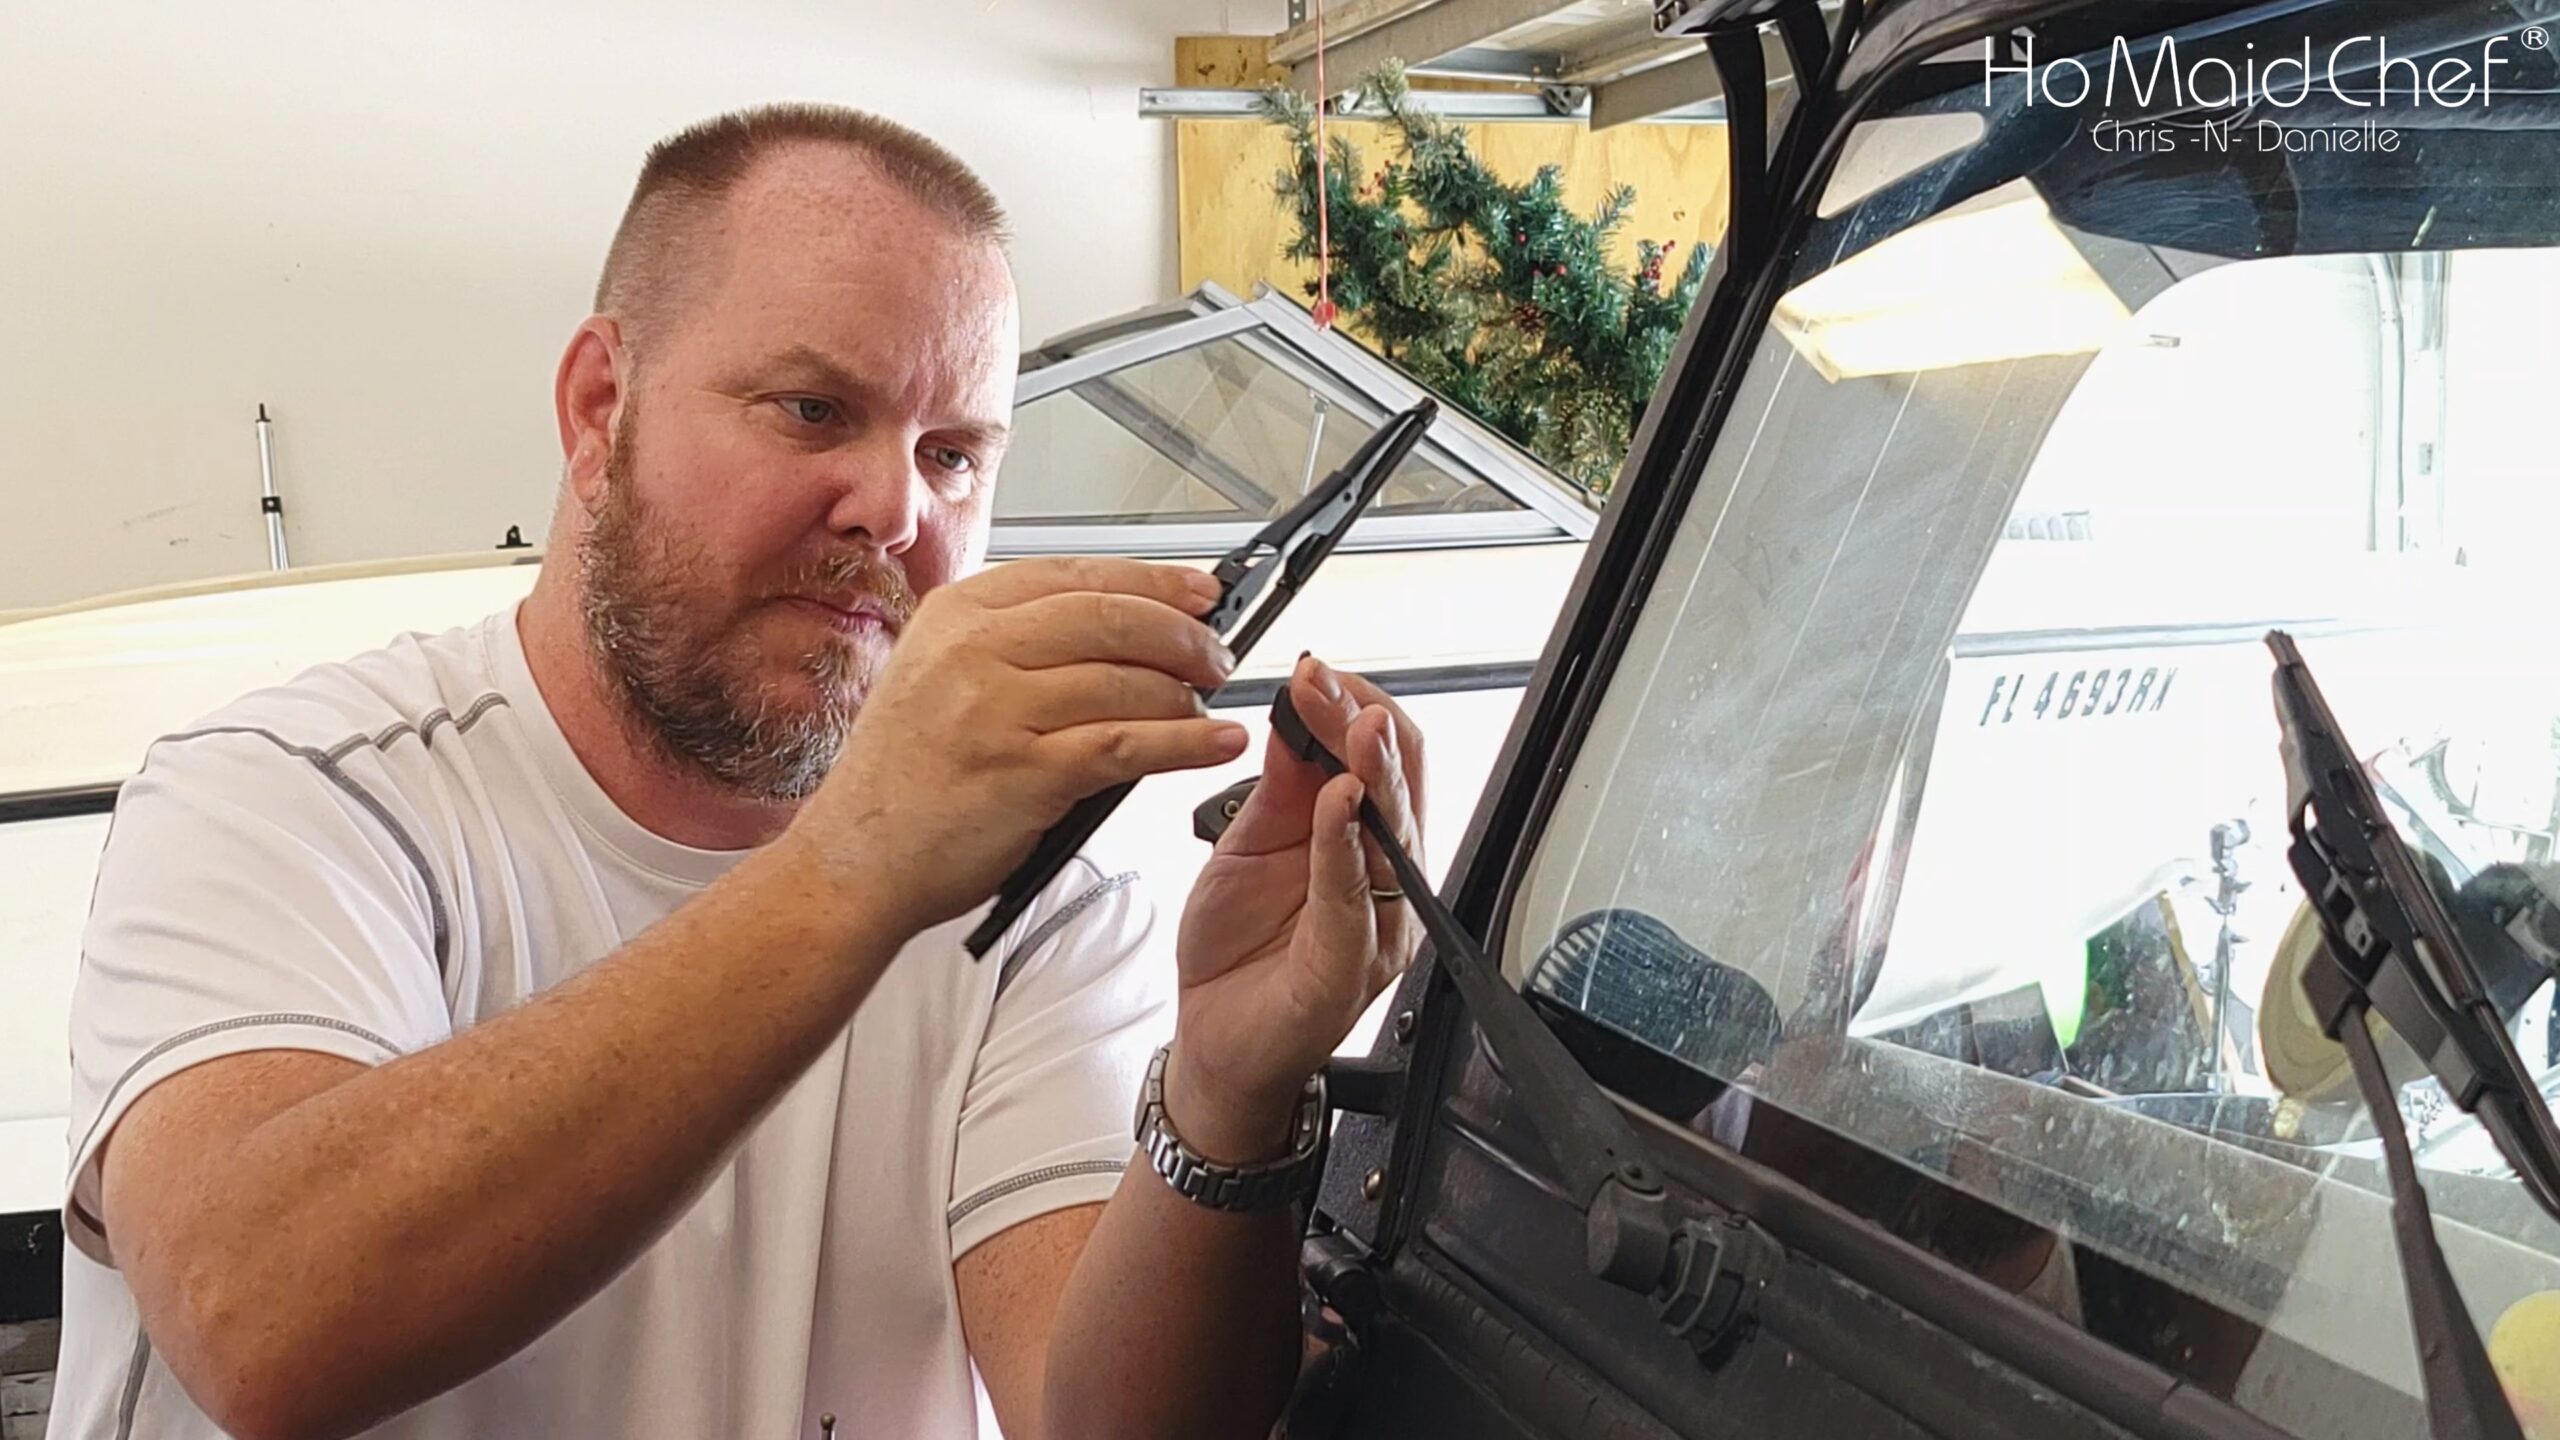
x,y
1549,510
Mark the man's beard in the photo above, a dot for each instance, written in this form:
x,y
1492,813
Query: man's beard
x,y
698,681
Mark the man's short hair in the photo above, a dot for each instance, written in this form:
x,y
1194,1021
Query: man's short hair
x,y
689,173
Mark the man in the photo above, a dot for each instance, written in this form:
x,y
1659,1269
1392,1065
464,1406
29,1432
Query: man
x,y
559,1027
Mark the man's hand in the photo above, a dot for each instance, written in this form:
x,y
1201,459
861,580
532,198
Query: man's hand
x,y
1283,946
1013,695
1184,1319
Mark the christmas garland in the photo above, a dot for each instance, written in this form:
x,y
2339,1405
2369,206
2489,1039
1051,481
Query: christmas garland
x,y
1494,294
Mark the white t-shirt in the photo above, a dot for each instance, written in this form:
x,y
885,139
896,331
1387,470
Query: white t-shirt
x,y
383,853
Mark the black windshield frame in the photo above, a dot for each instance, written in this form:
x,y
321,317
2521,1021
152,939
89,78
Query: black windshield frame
x,y
1664,471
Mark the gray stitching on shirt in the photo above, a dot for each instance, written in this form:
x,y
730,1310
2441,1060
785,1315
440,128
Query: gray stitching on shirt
x,y
1044,1175
425,729
439,915
133,1383
236,1022
438,918
1057,921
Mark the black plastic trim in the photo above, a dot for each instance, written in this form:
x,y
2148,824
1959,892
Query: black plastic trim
x,y
59,803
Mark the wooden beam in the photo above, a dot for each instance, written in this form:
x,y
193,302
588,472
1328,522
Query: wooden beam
x,y
1344,21
1650,92
1682,82
1610,62
1419,36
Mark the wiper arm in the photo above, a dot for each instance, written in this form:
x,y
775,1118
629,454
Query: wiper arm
x,y
1276,562
2391,949
1702,1274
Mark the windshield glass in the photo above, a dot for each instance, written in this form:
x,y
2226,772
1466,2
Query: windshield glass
x,y
1945,730
1222,431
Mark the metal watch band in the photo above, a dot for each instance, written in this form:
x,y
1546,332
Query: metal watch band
x,y
1230,1187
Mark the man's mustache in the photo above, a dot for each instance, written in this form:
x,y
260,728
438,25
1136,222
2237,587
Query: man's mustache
x,y
856,573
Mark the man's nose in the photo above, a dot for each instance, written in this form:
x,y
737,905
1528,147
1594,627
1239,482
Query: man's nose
x,y
880,492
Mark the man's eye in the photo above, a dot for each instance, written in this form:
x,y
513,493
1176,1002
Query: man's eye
x,y
958,462
809,410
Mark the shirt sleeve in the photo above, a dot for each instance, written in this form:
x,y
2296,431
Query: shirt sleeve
x,y
1082,1002
252,896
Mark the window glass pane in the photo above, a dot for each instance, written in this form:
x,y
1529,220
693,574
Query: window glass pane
x,y
1946,737
1227,430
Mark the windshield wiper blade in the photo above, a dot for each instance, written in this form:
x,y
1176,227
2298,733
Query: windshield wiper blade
x,y
2392,945
1275,563
2391,950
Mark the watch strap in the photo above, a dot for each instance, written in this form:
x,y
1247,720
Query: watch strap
x,y
1206,1182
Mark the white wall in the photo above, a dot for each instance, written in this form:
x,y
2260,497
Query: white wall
x,y
382,220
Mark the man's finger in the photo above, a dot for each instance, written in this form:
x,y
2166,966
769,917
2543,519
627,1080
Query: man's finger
x,y
1370,749
1281,807
1327,708
1342,920
1085,625
1364,693
1331,701
1371,754
1193,592
1084,694
1090,758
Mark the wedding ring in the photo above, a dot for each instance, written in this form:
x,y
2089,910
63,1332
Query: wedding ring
x,y
1383,896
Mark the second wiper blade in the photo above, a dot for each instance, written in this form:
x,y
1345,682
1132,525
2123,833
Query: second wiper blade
x,y
2391,943
2390,949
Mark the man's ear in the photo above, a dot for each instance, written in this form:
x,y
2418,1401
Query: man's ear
x,y
587,396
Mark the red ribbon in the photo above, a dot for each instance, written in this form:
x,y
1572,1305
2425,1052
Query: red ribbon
x,y
1324,197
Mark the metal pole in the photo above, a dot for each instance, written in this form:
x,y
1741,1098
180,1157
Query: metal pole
x,y
1315,440
269,502
2227,839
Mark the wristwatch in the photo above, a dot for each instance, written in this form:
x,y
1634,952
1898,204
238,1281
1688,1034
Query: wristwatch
x,y
1203,1181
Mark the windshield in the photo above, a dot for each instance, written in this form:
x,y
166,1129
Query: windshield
x,y
1944,732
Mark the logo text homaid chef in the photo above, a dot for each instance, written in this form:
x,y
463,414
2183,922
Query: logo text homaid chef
x,y
2359,71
